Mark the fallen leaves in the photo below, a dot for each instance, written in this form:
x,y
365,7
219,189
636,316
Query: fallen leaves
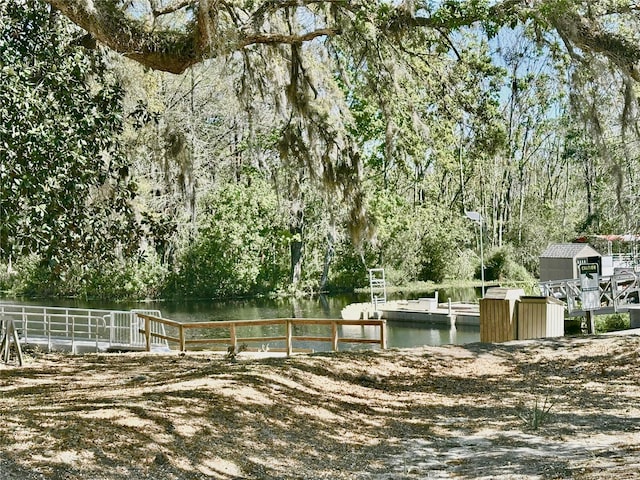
x,y
415,413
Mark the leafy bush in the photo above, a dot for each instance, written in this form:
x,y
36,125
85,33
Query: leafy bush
x,y
116,280
417,242
348,270
29,278
461,266
240,248
500,266
610,323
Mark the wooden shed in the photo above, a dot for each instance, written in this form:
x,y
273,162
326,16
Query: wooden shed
x,y
560,261
540,317
498,320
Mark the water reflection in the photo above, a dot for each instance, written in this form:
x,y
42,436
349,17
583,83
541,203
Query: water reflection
x,y
414,334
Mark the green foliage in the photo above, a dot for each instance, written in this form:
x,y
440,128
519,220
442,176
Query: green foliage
x,y
461,265
495,265
240,247
538,414
136,278
349,269
437,122
443,235
64,183
417,242
119,280
30,279
397,245
501,266
612,322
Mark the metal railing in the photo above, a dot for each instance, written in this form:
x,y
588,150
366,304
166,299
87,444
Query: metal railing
x,y
184,332
617,292
72,328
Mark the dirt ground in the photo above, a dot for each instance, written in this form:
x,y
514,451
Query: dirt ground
x,y
562,408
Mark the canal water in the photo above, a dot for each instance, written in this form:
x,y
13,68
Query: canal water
x,y
399,334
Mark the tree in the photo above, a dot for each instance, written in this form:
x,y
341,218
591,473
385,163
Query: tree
x,y
65,188
239,245
174,35
294,37
333,97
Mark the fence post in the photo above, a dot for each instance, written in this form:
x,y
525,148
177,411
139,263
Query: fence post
x,y
96,329
147,333
334,336
183,343
73,332
4,344
47,325
383,334
289,339
233,337
25,325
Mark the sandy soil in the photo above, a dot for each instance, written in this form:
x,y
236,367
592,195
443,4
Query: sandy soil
x,y
564,408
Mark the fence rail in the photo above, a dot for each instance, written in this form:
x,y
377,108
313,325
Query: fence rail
x,y
617,293
75,328
184,339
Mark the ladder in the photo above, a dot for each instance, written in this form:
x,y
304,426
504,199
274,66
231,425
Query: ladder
x,y
378,287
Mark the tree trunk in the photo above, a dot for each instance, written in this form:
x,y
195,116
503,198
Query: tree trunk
x,y
297,246
328,257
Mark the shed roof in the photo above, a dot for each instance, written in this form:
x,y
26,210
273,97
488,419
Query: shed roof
x,y
569,250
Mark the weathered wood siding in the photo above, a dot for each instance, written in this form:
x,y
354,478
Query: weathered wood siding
x,y
497,320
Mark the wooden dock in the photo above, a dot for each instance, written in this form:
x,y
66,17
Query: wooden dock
x,y
423,310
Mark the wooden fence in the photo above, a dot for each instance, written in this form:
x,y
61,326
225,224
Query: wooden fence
x,y
185,340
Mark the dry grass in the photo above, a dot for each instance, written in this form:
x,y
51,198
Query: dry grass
x,y
435,412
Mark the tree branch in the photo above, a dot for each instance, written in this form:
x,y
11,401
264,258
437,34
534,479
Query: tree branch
x,y
590,36
171,8
210,31
267,38
173,51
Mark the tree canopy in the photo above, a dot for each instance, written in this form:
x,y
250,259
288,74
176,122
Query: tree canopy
x,y
296,54
64,180
252,141
172,35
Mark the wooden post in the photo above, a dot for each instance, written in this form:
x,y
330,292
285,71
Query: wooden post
x,y
5,352
334,336
289,340
9,334
4,345
383,335
16,340
591,322
233,337
147,333
183,343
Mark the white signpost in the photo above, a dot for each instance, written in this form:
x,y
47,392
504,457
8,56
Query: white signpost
x,y
590,296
